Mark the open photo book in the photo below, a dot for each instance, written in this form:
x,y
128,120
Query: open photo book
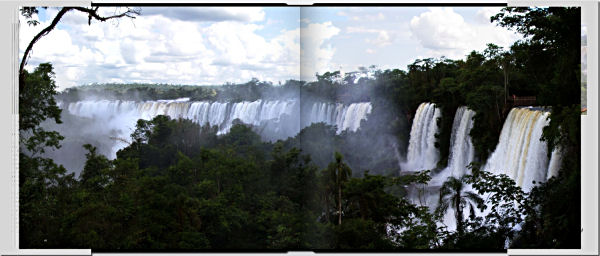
x,y
270,129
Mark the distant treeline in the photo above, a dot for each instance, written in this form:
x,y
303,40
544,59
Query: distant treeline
x,y
325,89
137,91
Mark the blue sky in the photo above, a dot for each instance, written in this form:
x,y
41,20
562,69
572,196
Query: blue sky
x,y
199,45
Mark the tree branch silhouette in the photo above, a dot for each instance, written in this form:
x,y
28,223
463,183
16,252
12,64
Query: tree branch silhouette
x,y
92,14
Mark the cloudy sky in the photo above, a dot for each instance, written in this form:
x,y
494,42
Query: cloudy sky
x,y
211,46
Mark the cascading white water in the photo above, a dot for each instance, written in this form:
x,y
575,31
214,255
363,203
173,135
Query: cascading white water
x,y
520,153
422,153
461,147
354,114
461,154
345,117
121,116
555,163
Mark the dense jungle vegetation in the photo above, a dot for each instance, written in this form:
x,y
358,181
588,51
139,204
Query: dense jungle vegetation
x,y
174,187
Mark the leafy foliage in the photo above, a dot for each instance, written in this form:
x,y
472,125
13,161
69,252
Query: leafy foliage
x,y
36,104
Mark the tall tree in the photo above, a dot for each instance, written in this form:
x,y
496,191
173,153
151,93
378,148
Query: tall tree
x,y
453,194
36,104
339,173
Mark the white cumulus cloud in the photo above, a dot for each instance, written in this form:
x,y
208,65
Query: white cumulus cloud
x,y
316,53
165,47
445,33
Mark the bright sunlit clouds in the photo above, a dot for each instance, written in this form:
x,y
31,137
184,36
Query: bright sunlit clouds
x,y
444,32
211,46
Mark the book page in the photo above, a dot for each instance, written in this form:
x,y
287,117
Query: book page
x,y
270,129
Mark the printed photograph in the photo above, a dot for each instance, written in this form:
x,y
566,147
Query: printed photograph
x,y
273,129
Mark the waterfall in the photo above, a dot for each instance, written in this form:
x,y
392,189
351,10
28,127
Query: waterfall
x,y
353,115
276,117
520,153
461,146
345,117
555,162
422,154
461,152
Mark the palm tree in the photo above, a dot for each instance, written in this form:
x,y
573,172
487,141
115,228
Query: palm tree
x,y
339,173
453,194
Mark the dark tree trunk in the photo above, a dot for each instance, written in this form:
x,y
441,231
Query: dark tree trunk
x,y
339,198
327,207
459,217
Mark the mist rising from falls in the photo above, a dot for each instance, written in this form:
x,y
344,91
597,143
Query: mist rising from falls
x,y
422,153
277,119
520,153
